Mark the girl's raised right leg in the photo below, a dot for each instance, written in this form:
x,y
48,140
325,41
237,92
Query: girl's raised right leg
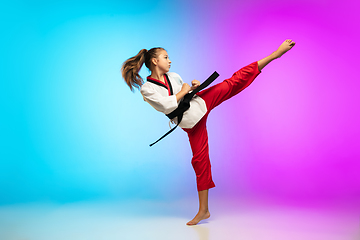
x,y
241,79
284,47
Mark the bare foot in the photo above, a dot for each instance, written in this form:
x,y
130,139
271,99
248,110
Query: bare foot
x,y
200,216
284,47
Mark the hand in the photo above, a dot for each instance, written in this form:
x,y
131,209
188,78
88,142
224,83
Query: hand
x,y
195,84
284,47
185,88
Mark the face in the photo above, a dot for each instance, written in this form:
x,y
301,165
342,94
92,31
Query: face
x,y
162,61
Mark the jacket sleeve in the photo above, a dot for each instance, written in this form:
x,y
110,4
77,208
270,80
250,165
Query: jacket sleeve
x,y
164,104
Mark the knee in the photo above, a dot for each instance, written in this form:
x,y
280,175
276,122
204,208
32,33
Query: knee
x,y
200,162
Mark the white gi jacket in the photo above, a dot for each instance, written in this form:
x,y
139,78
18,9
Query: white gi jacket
x,y
158,95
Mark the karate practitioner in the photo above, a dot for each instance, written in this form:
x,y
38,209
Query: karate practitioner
x,y
164,91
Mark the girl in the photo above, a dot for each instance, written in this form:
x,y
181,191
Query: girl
x,y
164,90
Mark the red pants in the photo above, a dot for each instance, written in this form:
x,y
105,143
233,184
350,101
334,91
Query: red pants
x,y
198,136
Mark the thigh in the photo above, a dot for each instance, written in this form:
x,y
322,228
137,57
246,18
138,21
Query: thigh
x,y
215,95
220,92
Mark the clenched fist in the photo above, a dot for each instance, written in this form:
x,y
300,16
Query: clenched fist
x,y
195,84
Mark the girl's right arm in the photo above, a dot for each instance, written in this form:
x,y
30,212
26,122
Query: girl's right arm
x,y
164,104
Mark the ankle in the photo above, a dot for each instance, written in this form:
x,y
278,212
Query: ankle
x,y
203,210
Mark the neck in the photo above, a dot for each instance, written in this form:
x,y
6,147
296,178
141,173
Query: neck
x,y
158,75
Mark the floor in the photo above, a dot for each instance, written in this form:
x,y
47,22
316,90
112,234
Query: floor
x,y
166,220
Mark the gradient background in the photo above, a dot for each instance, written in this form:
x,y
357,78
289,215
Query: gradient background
x,y
71,129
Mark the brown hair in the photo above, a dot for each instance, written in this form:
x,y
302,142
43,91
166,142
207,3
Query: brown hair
x,y
131,67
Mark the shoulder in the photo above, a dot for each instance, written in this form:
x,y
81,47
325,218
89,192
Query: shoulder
x,y
175,76
146,87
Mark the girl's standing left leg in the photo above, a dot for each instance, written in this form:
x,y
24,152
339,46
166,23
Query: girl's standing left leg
x,y
198,139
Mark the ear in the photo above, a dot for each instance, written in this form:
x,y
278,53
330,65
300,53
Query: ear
x,y
154,61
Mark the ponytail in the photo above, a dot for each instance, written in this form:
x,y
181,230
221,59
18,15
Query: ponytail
x,y
131,67
130,70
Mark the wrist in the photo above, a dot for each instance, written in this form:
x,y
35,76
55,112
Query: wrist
x,y
184,91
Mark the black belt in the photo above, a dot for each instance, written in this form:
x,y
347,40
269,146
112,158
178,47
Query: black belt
x,y
185,104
